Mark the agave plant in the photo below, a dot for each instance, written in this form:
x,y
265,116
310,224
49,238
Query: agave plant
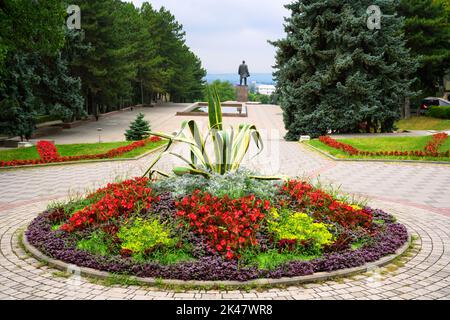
x,y
230,146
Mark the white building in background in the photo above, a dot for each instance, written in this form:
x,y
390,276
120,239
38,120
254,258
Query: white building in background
x,y
266,89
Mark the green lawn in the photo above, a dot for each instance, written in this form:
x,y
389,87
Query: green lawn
x,y
383,144
78,149
423,123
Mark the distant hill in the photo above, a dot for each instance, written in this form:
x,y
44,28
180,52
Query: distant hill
x,y
260,78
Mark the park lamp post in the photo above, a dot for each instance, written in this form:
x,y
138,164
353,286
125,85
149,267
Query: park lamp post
x,y
99,135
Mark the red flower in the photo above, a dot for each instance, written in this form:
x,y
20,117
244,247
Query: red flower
x,y
339,145
230,225
48,153
302,196
126,253
287,244
116,200
432,148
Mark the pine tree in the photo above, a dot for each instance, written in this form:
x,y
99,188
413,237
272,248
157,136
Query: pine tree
x,y
427,30
58,93
134,54
151,75
35,78
31,26
335,74
122,55
183,73
139,129
18,103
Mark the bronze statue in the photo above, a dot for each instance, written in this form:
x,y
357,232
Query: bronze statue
x,y
243,72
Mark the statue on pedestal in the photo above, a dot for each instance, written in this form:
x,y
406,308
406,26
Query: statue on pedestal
x,y
243,72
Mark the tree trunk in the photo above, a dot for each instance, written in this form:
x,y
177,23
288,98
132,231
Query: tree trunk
x,y
402,111
90,102
142,93
407,108
369,126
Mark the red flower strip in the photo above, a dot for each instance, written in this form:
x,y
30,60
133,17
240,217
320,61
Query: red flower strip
x,y
47,151
49,157
431,150
339,145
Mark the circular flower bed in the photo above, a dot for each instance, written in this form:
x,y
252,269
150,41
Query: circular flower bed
x,y
230,227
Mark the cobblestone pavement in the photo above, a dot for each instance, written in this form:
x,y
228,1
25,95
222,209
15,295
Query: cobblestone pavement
x,y
418,194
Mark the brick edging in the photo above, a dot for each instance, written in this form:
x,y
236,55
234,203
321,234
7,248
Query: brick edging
x,y
373,160
316,277
40,165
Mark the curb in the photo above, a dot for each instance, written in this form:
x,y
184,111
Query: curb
x,y
374,160
85,161
320,276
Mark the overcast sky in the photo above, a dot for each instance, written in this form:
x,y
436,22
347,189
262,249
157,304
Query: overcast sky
x,y
225,32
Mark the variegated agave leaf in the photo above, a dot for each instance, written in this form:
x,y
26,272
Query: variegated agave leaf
x,y
230,147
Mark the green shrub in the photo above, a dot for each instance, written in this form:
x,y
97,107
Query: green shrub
x,y
139,129
225,89
46,118
441,112
271,259
172,256
73,205
98,243
257,97
235,185
289,225
241,184
180,186
141,236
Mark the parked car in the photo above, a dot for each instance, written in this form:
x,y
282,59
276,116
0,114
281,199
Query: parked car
x,y
432,101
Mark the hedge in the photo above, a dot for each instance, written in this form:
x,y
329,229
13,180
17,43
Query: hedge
x,y
441,112
45,118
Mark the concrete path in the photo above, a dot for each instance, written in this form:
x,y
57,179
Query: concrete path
x,y
113,126
418,194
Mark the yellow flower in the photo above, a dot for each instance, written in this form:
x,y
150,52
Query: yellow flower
x,y
274,213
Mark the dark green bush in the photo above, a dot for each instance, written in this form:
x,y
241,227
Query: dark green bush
x,y
139,129
45,118
441,112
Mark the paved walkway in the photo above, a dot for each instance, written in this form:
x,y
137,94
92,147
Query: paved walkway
x,y
418,194
113,126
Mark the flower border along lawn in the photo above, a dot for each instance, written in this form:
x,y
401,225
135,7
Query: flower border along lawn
x,y
396,145
78,150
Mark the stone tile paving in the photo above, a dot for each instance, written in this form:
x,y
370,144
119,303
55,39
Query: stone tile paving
x,y
418,194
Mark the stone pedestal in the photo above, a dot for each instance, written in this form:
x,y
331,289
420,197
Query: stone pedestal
x,y
242,93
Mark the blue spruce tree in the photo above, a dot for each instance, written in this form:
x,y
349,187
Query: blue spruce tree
x,y
336,74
